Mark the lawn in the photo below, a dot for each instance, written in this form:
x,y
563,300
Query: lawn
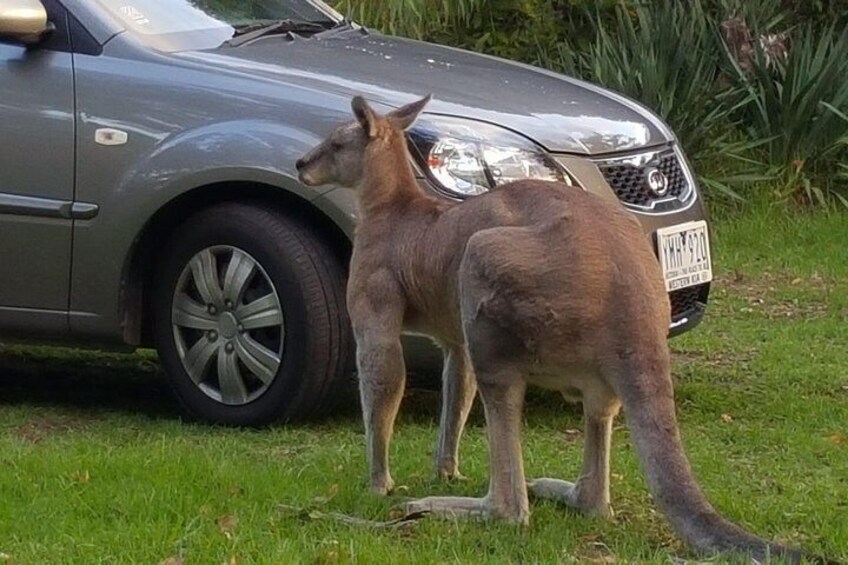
x,y
96,466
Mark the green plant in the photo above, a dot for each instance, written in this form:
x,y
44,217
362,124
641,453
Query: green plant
x,y
419,19
666,55
798,107
739,126
515,29
98,468
762,16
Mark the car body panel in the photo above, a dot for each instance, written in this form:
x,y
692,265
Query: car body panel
x,y
171,149
94,19
559,113
36,179
197,120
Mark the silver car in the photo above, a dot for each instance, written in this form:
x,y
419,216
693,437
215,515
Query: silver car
x,y
148,193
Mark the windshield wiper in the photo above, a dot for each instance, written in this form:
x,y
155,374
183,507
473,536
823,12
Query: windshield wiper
x,y
249,33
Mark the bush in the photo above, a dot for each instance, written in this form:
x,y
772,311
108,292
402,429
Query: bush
x,y
798,108
515,29
739,122
666,57
419,19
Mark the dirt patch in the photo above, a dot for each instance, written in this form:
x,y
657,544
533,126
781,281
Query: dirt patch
x,y
36,430
714,359
741,281
765,291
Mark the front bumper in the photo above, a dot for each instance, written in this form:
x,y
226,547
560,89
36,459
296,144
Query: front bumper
x,y
687,308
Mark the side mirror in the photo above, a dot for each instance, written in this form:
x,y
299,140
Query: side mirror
x,y
23,21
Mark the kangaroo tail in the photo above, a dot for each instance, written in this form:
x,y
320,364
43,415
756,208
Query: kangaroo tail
x,y
648,402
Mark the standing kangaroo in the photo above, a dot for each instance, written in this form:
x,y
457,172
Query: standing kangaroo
x,y
532,283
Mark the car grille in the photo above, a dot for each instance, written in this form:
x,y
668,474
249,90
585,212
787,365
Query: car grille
x,y
685,300
627,176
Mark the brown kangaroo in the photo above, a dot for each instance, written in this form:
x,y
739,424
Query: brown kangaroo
x,y
532,283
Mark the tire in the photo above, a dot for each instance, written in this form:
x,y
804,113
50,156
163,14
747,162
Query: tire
x,y
281,349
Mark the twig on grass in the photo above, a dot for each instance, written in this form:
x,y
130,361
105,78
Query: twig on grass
x,y
402,522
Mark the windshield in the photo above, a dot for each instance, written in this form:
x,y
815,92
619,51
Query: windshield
x,y
210,22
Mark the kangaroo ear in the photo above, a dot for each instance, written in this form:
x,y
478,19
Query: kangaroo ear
x,y
366,116
406,116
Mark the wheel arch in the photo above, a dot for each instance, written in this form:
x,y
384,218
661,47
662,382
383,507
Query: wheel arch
x,y
140,265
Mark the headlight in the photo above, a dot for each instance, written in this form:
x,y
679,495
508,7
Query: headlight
x,y
466,158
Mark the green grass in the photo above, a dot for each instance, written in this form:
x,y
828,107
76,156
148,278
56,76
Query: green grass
x,y
95,465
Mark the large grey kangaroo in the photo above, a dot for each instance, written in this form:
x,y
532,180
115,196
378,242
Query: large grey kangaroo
x,y
532,283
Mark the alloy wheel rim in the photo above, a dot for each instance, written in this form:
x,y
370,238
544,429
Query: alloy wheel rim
x,y
228,325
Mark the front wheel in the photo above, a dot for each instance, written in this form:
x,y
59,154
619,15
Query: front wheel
x,y
249,317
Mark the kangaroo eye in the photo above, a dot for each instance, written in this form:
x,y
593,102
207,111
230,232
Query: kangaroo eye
x,y
336,145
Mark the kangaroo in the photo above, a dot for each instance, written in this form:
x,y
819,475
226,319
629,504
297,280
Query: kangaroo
x,y
533,283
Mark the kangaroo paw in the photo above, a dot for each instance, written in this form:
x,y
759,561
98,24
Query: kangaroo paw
x,y
459,508
571,495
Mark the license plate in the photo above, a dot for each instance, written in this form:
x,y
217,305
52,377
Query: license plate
x,y
684,252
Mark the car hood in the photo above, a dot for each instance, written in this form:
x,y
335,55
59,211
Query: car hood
x,y
560,113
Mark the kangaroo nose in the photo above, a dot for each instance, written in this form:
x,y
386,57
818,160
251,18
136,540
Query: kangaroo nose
x,y
300,164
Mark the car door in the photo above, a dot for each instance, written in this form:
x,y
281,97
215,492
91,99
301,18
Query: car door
x,y
36,180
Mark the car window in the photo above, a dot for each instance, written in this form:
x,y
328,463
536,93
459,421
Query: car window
x,y
165,17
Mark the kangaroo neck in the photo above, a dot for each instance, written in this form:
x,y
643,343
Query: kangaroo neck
x,y
388,184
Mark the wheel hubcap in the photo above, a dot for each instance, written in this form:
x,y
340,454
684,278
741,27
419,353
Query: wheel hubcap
x,y
228,325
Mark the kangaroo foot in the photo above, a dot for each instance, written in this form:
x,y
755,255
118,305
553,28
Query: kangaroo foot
x,y
382,485
459,508
449,471
571,495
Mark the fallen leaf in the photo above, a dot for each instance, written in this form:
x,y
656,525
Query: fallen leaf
x,y
726,418
147,366
837,439
589,537
328,558
231,561
571,434
173,560
597,552
227,524
796,281
81,477
5,556
330,494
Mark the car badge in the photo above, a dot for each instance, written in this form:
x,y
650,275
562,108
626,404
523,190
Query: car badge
x,y
657,181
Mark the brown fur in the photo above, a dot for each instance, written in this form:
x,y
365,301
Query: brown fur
x,y
532,283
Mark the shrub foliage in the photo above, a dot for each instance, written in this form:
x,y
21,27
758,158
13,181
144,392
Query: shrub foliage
x,y
754,90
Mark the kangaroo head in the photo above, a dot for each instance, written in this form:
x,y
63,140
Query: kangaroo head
x,y
340,159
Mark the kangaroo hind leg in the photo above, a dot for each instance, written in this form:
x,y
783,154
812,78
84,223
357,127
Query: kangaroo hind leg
x,y
458,392
507,496
590,493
